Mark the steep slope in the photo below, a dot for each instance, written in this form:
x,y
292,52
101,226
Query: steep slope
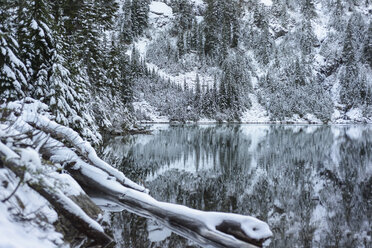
x,y
290,61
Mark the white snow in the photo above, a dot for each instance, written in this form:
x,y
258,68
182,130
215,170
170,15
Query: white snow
x,y
267,2
17,234
31,159
73,137
67,184
256,114
355,114
9,72
149,111
198,2
160,15
34,25
160,8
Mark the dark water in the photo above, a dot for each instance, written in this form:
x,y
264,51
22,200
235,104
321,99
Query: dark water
x,y
311,184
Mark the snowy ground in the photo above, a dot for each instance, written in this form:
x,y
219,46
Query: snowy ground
x,y
26,219
151,114
256,114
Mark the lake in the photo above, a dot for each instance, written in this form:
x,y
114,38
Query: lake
x,y
311,183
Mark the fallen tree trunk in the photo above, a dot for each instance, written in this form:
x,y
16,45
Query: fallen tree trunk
x,y
60,202
60,132
205,228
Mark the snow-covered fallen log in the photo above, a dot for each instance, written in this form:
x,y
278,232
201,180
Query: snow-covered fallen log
x,y
206,228
83,147
19,165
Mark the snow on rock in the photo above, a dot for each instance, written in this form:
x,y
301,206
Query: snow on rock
x,y
149,113
267,2
160,8
256,114
312,119
160,14
355,114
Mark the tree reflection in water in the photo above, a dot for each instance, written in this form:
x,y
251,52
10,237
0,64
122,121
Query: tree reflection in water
x,y
312,184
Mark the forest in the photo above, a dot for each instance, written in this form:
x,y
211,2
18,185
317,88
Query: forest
x,y
74,71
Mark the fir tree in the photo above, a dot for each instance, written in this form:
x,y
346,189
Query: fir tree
x,y
126,27
36,45
367,49
13,72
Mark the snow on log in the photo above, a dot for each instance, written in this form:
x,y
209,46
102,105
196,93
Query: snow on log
x,y
60,202
205,228
84,147
29,113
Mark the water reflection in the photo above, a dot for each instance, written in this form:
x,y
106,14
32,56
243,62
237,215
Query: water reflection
x,y
312,184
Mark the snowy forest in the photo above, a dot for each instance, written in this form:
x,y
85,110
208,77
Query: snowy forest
x,y
186,60
75,71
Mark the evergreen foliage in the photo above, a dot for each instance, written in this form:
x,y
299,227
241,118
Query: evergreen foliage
x,y
78,57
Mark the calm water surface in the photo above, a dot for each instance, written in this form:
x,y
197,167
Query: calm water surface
x,y
311,184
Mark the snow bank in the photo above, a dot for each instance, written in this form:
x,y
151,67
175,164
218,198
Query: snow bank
x,y
150,113
256,114
160,15
17,234
160,8
267,2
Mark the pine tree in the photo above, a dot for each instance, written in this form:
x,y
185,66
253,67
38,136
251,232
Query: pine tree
x,y
36,44
197,97
337,16
367,49
126,28
140,10
185,86
307,37
13,72
308,9
352,89
211,27
181,44
223,94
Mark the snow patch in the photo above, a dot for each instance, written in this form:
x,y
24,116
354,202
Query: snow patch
x,y
256,114
160,8
149,113
355,114
267,2
160,15
16,234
